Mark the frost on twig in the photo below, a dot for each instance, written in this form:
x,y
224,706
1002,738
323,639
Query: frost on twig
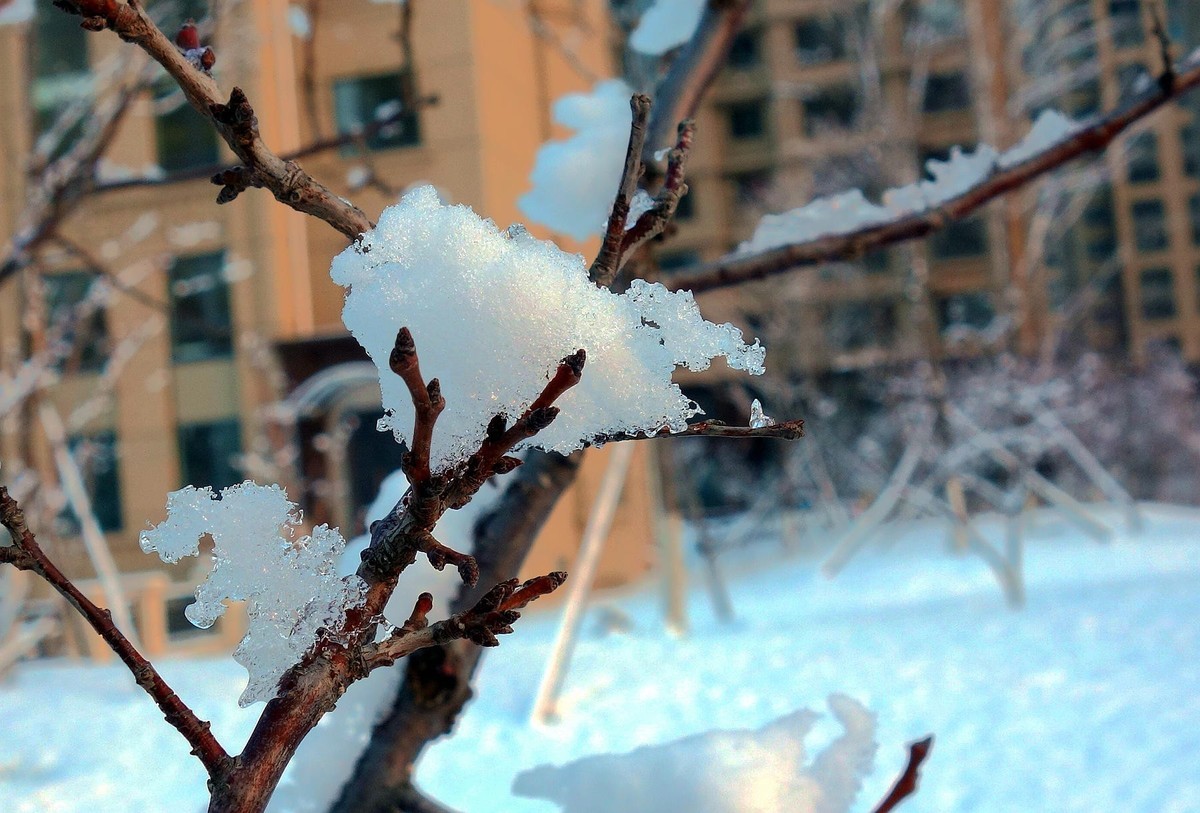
x,y
497,312
291,584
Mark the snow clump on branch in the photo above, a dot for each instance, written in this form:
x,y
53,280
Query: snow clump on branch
x,y
574,181
665,25
493,314
850,211
291,585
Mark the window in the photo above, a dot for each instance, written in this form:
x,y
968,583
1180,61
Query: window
x,y
751,187
1142,158
671,261
1083,100
973,310
1191,149
1157,291
686,209
946,92
747,119
96,456
362,100
961,238
830,109
1149,225
62,80
184,139
1126,23
1194,211
201,326
208,451
821,39
858,325
745,51
84,326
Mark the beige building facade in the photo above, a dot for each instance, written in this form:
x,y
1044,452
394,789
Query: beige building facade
x,y
219,314
821,96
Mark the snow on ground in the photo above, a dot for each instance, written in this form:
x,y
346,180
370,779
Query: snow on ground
x,y
1087,701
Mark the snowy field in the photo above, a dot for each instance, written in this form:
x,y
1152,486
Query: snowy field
x,y
1089,700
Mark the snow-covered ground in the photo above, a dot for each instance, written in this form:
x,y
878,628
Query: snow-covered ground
x,y
1088,700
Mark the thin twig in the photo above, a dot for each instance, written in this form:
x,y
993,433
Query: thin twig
x,y
493,615
234,120
784,430
608,260
653,221
1092,137
906,784
26,554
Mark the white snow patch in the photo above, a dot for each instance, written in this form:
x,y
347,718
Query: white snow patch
x,y
299,22
1050,128
291,584
574,181
850,211
665,25
16,11
493,313
761,771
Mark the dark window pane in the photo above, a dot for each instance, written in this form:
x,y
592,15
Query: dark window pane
x,y
1194,210
1191,150
746,50
747,119
201,325
360,101
830,109
973,310
821,39
961,238
948,91
672,261
208,452
858,325
1084,100
184,138
83,326
60,46
1142,158
96,456
686,209
1126,23
1157,290
370,458
751,187
1150,225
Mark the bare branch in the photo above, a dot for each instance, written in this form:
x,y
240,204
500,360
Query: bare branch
x,y
234,119
653,221
428,403
839,247
492,615
784,430
608,260
693,71
26,554
906,784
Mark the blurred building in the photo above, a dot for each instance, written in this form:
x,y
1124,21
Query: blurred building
x,y
223,313
820,96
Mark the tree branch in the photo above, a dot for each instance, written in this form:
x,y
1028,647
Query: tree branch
x,y
906,784
26,554
1093,137
234,119
608,260
784,430
653,221
693,71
